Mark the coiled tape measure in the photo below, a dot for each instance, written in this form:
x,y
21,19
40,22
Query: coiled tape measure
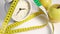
x,y
7,29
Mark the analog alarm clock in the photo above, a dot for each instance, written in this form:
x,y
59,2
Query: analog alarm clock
x,y
21,11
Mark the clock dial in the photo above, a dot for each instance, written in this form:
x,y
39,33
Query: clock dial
x,y
21,11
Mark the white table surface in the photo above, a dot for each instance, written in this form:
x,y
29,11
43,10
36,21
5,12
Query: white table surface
x,y
35,21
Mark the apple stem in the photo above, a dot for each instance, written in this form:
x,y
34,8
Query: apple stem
x,y
58,7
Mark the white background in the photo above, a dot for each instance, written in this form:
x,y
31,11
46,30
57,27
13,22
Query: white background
x,y
35,21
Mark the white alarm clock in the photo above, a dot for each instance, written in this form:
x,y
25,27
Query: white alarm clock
x,y
21,11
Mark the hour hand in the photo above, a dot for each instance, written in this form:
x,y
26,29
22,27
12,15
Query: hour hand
x,y
21,8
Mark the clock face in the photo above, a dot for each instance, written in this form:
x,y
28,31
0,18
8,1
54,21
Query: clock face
x,y
21,11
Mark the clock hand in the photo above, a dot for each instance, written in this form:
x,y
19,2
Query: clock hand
x,y
20,10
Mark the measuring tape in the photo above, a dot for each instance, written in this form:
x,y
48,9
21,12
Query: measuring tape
x,y
8,16
7,29
27,19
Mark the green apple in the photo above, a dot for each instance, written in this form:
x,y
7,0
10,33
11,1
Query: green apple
x,y
46,3
54,12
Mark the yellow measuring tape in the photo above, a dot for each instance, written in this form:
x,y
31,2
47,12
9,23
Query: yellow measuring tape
x,y
9,14
7,29
27,19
